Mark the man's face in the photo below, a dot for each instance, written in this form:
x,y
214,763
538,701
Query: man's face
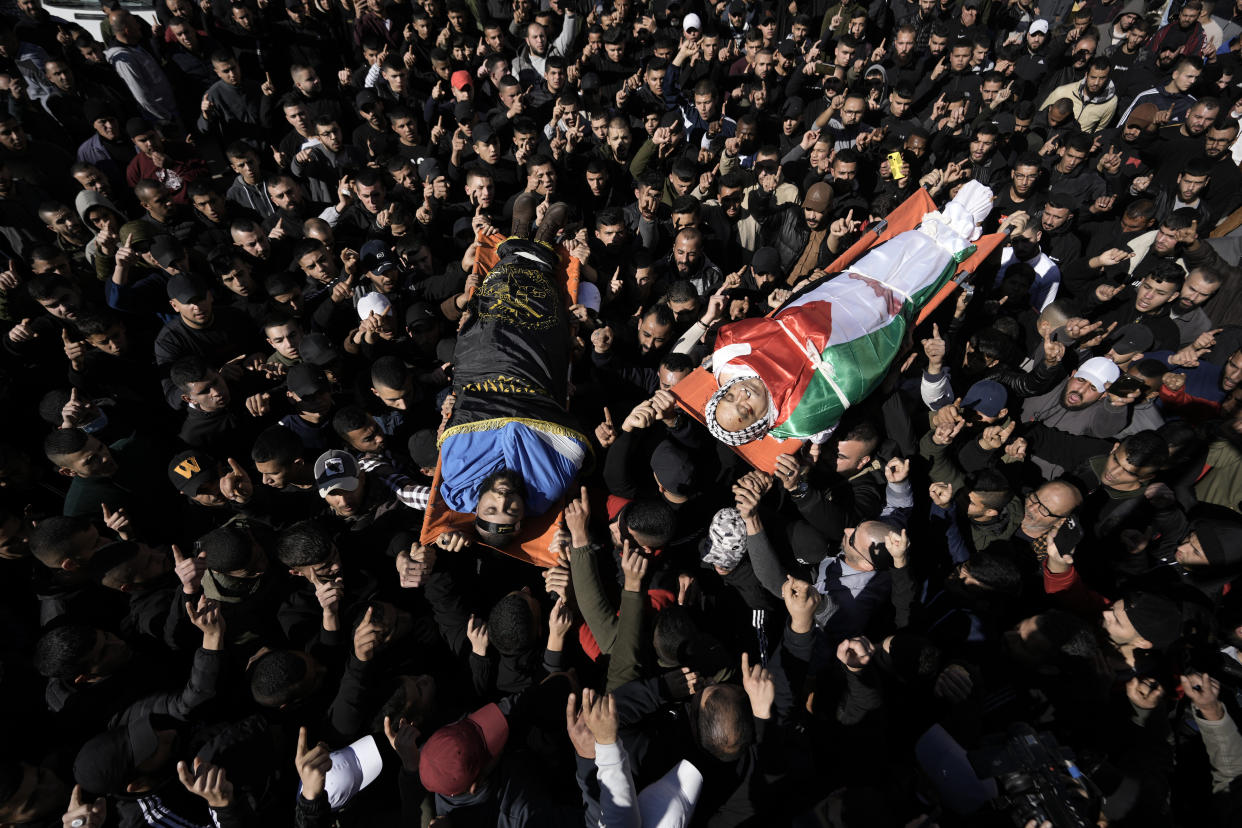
x,y
285,339
330,135
537,39
1200,117
545,178
669,378
488,151
652,336
395,398
688,254
619,141
1187,17
212,394
1054,218
1097,79
821,152
298,117
13,137
64,304
1218,141
372,197
158,203
852,456
746,135
844,170
843,55
65,223
113,341
1135,38
286,194
94,460
852,111
705,105
1134,224
1185,77
1195,291
1153,295
1035,40
989,90
1079,393
731,201
981,147
976,510
597,182
1189,187
480,190
502,503
655,81
1118,626
345,503
763,65
744,404
59,74
609,234
368,440
959,58
916,145
1231,373
228,71
1044,509
898,106
903,46
1165,242
319,265
255,244
1120,474
1071,159
1190,552
247,166
93,179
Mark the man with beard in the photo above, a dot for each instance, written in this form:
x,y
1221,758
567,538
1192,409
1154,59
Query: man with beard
x,y
988,165
1023,192
1114,483
1093,97
647,218
1080,404
1186,311
798,232
655,337
688,261
1055,236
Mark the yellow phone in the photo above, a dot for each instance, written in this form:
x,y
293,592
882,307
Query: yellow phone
x,y
896,166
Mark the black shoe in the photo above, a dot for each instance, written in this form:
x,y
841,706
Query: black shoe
x,y
553,221
523,215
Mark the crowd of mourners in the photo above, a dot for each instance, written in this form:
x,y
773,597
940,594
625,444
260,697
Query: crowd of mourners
x,y
238,238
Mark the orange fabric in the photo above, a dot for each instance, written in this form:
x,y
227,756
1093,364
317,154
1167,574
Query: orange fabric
x,y
693,392
537,533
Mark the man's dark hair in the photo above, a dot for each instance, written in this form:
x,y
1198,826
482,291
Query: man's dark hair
x,y
1198,166
1100,62
864,432
1061,201
996,572
683,205
1181,218
511,626
609,217
304,544
1150,368
652,518
992,344
1144,208
992,488
189,369
662,314
45,286
726,727
390,372
674,627
275,676
1167,272
678,361
64,652
51,538
349,418
682,290
1146,450
277,444
62,442
650,180
1028,159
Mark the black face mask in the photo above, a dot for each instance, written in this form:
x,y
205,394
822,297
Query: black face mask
x,y
1024,249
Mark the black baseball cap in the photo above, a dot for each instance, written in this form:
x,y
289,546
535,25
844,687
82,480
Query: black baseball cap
x,y
190,470
186,287
306,380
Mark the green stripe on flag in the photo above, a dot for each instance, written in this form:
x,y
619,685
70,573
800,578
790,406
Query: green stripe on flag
x,y
858,366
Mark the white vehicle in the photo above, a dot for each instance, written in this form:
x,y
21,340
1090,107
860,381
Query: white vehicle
x,y
89,15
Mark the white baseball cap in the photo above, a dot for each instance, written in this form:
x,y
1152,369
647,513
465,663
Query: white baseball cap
x,y
1038,26
1100,372
691,21
376,303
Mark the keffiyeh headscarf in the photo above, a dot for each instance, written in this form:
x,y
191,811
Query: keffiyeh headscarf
x,y
752,432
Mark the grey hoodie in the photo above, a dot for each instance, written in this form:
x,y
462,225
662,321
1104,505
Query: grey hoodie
x,y
83,202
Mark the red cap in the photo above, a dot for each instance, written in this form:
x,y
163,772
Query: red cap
x,y
452,759
460,79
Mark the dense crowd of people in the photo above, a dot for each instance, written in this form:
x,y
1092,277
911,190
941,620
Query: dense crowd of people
x,y
245,250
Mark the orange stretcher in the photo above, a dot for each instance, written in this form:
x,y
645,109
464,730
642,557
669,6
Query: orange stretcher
x,y
693,392
535,538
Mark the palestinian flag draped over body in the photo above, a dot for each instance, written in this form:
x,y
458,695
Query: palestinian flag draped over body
x,y
830,344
